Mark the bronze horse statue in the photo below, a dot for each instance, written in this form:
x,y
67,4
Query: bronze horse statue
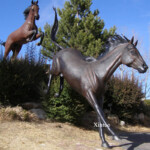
x,y
26,33
89,78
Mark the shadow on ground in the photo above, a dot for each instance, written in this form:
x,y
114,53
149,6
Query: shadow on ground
x,y
129,140
135,141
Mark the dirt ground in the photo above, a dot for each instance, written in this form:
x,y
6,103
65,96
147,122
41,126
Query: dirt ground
x,y
49,136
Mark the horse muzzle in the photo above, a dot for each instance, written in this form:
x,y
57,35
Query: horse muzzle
x,y
143,68
37,17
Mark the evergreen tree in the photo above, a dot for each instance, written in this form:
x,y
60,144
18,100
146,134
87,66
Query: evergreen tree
x,y
82,29
47,46
79,28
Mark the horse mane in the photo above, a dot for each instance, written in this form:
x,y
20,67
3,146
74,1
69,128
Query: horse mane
x,y
27,10
112,43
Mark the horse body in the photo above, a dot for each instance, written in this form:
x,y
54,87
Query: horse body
x,y
83,75
60,66
26,33
20,35
89,78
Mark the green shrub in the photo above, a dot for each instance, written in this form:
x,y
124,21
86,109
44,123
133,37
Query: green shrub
x,y
21,81
146,107
147,102
125,97
69,107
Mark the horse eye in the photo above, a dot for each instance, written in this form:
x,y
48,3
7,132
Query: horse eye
x,y
130,46
133,52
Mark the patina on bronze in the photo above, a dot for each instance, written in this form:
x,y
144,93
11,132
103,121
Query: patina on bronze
x,y
89,78
26,33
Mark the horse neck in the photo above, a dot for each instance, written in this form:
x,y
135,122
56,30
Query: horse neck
x,y
31,18
109,63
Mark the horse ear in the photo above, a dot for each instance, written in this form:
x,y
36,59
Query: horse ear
x,y
136,43
126,38
37,2
132,40
32,2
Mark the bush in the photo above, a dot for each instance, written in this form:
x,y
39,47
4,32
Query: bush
x,y
21,81
16,113
147,102
69,107
125,97
146,107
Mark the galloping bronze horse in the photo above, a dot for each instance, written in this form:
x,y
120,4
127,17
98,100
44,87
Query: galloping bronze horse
x,y
89,78
26,33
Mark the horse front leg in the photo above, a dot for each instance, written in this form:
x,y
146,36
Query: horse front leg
x,y
100,103
38,36
33,33
93,101
101,128
101,133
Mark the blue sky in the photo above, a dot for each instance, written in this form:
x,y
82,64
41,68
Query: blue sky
x,y
131,17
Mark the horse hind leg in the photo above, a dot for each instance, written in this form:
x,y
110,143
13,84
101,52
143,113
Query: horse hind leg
x,y
49,82
7,50
54,70
38,36
16,51
61,86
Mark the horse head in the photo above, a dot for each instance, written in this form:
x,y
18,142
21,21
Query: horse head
x,y
35,9
132,58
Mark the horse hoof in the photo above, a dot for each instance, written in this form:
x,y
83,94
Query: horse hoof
x,y
116,138
105,144
56,95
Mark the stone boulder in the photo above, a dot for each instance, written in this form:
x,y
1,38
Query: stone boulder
x,y
40,113
113,119
31,105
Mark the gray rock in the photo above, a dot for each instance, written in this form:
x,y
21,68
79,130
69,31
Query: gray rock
x,y
113,118
40,113
107,112
122,123
31,105
141,117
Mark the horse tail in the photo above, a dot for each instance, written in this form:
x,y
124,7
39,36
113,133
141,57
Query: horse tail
x,y
54,30
2,43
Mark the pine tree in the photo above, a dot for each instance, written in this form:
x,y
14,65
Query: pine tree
x,y
47,46
79,28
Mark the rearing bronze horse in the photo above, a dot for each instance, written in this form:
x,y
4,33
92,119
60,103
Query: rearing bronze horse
x,y
89,78
26,33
